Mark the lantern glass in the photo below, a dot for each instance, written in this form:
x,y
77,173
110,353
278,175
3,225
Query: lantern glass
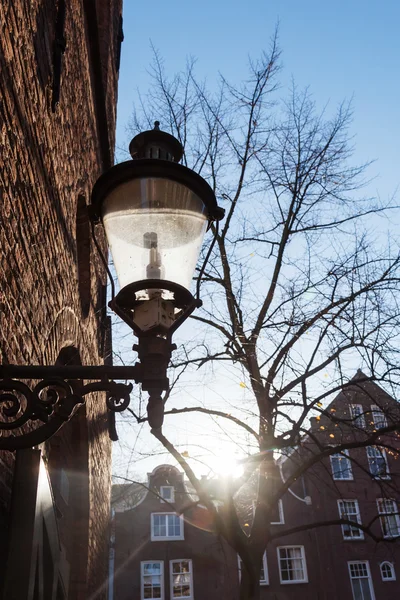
x,y
155,228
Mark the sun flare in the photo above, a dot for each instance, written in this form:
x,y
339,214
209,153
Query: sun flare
x,y
226,465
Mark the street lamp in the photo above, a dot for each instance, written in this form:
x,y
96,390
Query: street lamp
x,y
155,213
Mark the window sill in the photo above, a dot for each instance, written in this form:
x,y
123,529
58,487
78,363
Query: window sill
x,y
167,539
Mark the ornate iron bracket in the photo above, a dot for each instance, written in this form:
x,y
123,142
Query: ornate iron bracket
x,y
60,390
55,399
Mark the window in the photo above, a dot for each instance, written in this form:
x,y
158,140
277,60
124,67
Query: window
x,y
341,465
378,417
166,526
390,520
152,575
167,492
378,466
361,582
181,579
348,509
356,412
278,517
292,564
387,572
263,573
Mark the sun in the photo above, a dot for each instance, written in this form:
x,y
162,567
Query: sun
x,y
225,465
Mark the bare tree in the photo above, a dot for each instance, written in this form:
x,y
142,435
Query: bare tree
x,y
302,286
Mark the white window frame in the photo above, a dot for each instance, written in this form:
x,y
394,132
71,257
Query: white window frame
x,y
393,575
167,487
304,565
358,419
343,514
281,514
171,578
160,538
366,563
344,455
378,417
372,456
385,515
264,581
145,562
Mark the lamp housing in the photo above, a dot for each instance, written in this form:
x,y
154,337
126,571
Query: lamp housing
x,y
155,213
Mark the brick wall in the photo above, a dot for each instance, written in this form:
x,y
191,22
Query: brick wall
x,y
48,160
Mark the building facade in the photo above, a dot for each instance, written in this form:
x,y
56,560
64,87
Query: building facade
x,y
158,554
58,69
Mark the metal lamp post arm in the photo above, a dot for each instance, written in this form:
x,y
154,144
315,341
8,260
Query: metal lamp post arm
x,y
56,397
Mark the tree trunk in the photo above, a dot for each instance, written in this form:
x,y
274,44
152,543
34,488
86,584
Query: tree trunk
x,y
249,587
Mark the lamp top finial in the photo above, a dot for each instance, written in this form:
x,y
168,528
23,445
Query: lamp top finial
x,y
157,144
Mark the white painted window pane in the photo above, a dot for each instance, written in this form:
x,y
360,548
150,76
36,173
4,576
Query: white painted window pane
x,y
378,417
341,467
167,493
181,579
151,580
377,462
291,564
348,509
356,411
360,581
387,572
390,521
174,526
160,525
357,591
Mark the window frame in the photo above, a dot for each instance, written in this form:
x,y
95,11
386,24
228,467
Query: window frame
x,y
357,420
376,410
165,500
145,562
383,517
383,456
358,516
161,538
343,454
393,576
171,574
281,514
304,565
264,581
369,577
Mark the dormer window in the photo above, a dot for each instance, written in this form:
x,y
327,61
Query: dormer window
x,y
378,417
357,415
167,493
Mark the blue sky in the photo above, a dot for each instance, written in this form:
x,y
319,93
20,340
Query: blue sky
x,y
339,49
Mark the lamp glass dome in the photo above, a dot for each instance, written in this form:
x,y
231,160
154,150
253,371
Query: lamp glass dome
x,y
155,228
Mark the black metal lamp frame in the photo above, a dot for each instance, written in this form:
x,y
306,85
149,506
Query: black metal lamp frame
x,y
50,395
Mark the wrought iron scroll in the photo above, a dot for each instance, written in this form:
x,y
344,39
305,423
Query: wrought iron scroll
x,y
51,402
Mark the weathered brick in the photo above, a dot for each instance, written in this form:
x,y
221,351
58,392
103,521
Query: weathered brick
x,y
47,160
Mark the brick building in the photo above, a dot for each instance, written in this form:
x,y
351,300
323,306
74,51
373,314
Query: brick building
x,y
160,555
58,69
